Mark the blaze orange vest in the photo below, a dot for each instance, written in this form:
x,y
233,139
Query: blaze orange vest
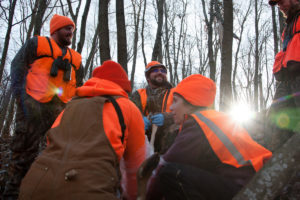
x,y
167,101
43,87
230,142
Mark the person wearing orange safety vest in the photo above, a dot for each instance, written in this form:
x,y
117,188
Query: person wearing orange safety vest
x,y
284,111
45,74
154,101
212,157
99,127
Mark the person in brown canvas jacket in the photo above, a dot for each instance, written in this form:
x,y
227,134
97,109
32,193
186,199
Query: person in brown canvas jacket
x,y
99,129
45,73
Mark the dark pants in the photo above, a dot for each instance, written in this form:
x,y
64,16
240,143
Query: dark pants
x,y
33,119
178,182
284,113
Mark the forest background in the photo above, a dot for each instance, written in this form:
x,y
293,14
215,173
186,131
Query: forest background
x,y
232,41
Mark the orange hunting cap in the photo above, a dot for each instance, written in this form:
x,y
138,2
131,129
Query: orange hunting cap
x,y
153,64
198,90
273,2
114,72
59,21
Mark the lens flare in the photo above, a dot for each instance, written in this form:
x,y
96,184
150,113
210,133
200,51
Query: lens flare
x,y
241,112
59,91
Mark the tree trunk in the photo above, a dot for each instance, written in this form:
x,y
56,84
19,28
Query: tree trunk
x,y
142,33
276,173
275,34
167,45
136,39
226,56
74,17
209,23
43,4
104,31
83,26
89,63
121,34
9,119
156,54
33,17
255,98
4,107
7,37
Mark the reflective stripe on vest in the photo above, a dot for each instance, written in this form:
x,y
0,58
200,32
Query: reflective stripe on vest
x,y
235,148
43,87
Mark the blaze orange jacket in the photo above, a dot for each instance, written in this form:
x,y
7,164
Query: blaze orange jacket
x,y
167,101
291,52
40,85
231,143
133,150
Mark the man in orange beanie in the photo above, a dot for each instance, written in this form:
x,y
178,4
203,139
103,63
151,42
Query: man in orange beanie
x,y
212,157
99,128
45,74
154,102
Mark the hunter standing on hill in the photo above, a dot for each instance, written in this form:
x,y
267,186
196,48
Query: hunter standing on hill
x,y
155,101
45,73
284,111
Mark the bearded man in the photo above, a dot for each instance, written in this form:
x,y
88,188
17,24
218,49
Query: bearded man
x,y
45,74
154,102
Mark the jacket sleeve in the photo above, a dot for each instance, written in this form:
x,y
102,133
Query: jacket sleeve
x,y
135,151
20,65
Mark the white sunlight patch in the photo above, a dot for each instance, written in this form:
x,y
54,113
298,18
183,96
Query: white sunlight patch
x,y
241,112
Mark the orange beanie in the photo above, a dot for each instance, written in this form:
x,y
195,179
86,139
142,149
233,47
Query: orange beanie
x,y
198,90
59,21
114,72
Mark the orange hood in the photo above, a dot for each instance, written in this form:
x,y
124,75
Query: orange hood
x,y
99,87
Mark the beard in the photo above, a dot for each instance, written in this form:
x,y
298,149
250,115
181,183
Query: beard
x,y
158,83
64,39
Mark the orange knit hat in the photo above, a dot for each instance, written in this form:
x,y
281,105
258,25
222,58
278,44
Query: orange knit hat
x,y
151,65
198,90
59,21
114,72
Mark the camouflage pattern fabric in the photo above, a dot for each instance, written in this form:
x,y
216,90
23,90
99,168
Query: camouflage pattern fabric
x,y
33,119
167,133
284,113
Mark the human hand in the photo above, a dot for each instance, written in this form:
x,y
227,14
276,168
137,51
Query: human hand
x,y
157,119
146,123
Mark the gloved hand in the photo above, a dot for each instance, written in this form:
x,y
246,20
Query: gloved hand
x,y
146,123
157,119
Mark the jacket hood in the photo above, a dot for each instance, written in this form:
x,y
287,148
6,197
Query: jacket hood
x,y
99,87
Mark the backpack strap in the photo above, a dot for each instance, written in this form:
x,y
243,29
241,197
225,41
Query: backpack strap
x,y
51,48
120,115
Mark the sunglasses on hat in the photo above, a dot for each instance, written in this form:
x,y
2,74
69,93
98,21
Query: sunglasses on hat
x,y
164,71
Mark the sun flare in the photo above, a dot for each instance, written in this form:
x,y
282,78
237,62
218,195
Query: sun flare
x,y
241,112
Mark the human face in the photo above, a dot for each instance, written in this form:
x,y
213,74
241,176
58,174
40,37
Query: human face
x,y
286,5
157,76
64,35
179,109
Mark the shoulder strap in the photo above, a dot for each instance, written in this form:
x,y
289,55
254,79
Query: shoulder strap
x,y
120,115
51,48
